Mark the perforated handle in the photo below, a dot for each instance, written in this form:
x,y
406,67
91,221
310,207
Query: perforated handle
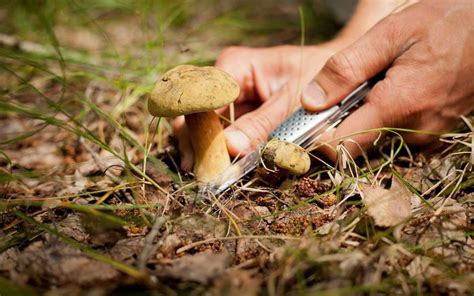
x,y
302,125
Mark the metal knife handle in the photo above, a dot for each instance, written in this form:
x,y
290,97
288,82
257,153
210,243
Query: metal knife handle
x,y
303,125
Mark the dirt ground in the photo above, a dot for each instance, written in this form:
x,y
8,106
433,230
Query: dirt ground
x,y
92,200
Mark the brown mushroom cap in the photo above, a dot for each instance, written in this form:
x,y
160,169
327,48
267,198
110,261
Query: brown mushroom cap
x,y
188,89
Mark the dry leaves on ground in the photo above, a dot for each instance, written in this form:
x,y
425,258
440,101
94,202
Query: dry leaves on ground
x,y
388,207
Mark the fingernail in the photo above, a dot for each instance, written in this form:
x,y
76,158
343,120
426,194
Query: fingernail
x,y
313,97
237,142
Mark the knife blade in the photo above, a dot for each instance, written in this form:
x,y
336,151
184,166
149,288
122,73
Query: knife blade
x,y
301,128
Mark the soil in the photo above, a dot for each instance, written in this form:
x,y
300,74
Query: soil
x,y
93,201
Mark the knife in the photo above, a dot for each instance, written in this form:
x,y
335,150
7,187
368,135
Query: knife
x,y
301,128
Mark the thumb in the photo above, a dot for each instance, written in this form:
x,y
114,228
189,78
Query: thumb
x,y
362,60
254,127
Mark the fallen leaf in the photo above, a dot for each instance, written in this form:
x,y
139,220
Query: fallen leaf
x,y
170,244
264,213
127,250
447,226
72,227
388,207
54,263
419,266
200,268
43,156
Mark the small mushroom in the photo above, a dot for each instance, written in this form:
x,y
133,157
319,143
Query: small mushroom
x,y
289,157
196,92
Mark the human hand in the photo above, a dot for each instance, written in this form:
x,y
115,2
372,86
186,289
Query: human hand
x,y
428,49
271,80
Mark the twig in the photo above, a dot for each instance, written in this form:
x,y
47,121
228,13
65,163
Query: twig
x,y
209,240
148,247
231,216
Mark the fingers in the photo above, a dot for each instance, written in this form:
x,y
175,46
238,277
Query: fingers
x,y
254,127
427,131
260,72
239,109
360,130
355,64
355,133
237,61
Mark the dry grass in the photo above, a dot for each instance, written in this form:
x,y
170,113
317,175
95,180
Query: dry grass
x,y
92,197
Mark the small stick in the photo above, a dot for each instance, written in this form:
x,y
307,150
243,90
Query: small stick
x,y
148,246
209,240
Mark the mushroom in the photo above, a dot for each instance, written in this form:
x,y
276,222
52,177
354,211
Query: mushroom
x,y
196,92
289,157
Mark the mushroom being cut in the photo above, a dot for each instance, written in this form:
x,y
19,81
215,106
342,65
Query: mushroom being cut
x,y
196,92
286,156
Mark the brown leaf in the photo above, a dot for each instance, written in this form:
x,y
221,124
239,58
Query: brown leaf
x,y
71,227
127,250
388,207
201,268
42,156
54,263
419,266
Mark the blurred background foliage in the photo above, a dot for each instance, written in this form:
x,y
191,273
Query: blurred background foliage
x,y
155,31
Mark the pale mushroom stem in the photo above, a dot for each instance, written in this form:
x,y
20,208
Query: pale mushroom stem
x,y
210,150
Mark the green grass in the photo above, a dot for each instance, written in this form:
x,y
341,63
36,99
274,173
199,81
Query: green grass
x,y
94,102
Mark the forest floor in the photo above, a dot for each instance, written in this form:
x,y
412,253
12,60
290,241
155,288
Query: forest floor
x,y
92,200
